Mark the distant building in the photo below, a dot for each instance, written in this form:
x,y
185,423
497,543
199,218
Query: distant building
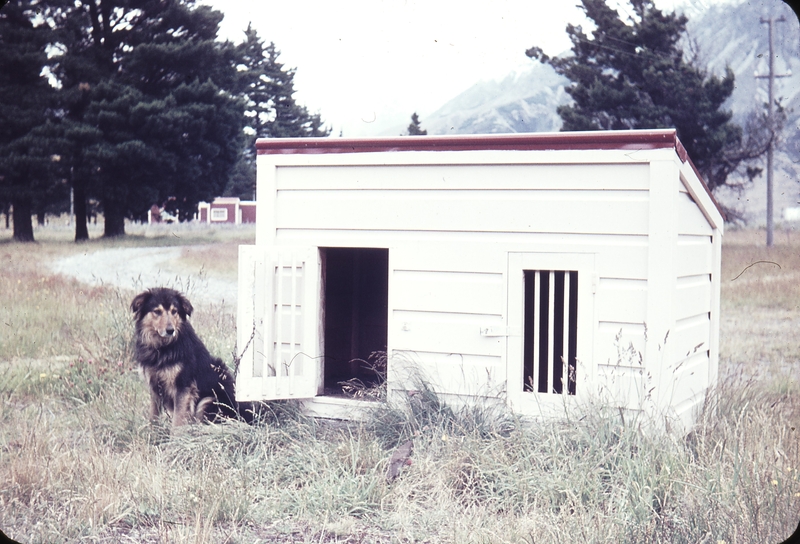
x,y
227,210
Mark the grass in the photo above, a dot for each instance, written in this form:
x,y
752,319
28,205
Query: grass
x,y
80,463
760,299
216,259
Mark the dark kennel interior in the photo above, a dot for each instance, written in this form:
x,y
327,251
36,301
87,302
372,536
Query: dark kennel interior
x,y
356,300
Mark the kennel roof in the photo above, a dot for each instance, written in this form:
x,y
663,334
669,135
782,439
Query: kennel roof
x,y
633,140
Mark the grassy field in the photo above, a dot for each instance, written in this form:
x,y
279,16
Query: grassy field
x,y
80,463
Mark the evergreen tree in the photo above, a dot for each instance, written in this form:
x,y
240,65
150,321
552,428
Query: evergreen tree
x,y
28,173
242,181
149,104
86,45
271,110
268,88
633,75
415,128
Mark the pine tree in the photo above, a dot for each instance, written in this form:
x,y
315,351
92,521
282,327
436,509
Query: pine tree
x,y
28,173
633,75
415,128
149,103
267,87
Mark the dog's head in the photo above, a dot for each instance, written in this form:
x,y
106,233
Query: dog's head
x,y
160,313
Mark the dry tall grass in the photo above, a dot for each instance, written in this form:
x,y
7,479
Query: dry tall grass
x,y
79,462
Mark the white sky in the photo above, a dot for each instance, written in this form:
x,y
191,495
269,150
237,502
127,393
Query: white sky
x,y
367,65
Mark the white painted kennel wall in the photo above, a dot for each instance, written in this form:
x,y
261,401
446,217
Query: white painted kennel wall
x,y
450,220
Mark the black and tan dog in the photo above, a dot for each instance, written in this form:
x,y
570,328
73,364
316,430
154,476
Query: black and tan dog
x,y
184,378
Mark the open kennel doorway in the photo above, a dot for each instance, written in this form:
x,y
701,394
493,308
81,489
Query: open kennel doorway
x,y
355,302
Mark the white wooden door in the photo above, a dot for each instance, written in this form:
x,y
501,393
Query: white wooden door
x,y
278,323
548,383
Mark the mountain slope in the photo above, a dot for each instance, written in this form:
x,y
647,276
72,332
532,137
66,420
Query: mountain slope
x,y
524,101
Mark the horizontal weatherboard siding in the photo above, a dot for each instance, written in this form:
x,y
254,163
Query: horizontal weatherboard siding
x,y
582,177
690,377
693,255
692,296
622,301
690,337
461,211
449,373
453,292
690,220
446,333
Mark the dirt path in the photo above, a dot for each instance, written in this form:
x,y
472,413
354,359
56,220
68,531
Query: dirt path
x,y
139,268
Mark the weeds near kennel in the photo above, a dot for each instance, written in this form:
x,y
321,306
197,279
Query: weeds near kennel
x,y
374,390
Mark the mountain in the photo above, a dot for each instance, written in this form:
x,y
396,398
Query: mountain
x,y
722,35
523,101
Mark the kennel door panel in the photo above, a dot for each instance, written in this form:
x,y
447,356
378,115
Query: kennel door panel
x,y
278,323
551,300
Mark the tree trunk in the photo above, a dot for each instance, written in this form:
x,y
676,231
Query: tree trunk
x,y
79,197
114,213
41,218
23,225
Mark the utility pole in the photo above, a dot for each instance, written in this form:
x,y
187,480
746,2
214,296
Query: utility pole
x,y
771,78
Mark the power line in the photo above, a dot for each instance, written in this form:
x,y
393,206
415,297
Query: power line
x,y
594,43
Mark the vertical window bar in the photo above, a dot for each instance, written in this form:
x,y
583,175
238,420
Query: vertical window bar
x,y
551,300
558,331
565,331
543,295
573,333
529,293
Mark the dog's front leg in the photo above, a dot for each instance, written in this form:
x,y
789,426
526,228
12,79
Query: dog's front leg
x,y
185,406
155,405
181,416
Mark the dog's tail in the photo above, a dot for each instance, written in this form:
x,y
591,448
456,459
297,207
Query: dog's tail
x,y
202,406
210,408
246,411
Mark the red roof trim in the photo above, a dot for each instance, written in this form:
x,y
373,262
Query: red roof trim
x,y
617,139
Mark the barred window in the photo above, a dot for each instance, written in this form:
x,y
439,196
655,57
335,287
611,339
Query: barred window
x,y
550,331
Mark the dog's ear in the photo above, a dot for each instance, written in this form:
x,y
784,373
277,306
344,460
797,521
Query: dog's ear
x,y
139,301
186,306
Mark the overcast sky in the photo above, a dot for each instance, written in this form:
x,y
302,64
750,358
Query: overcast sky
x,y
367,65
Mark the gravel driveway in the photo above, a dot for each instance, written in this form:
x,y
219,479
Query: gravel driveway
x,y
138,268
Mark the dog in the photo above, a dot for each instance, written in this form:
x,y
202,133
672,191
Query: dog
x,y
184,378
